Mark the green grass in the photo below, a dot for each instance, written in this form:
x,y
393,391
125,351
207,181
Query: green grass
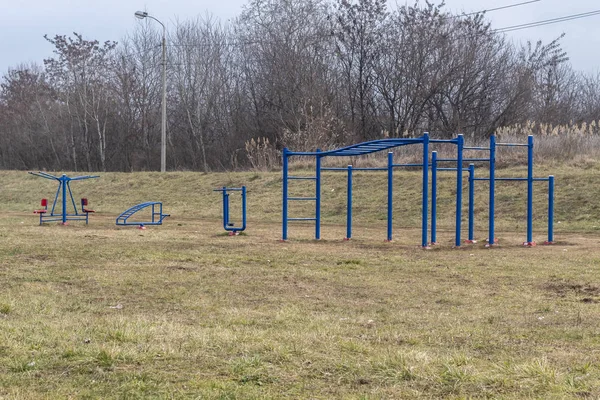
x,y
181,311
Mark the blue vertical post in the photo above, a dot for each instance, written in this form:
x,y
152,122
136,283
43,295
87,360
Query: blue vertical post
x,y
390,194
225,208
244,215
284,221
433,197
471,202
550,209
460,142
349,206
529,190
318,197
63,182
491,233
425,189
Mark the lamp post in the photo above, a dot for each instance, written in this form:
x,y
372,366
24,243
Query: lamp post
x,y
163,136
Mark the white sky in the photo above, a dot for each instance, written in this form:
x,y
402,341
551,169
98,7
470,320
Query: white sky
x,y
24,22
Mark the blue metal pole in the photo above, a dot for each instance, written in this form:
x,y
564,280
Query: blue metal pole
x,y
491,233
425,189
349,205
471,203
71,197
550,209
318,197
63,181
243,208
390,194
225,208
284,221
433,197
58,191
530,191
459,189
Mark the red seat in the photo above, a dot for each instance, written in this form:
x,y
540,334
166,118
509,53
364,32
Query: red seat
x,y
44,203
84,203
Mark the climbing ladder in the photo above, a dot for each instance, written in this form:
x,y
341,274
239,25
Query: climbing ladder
x,y
316,198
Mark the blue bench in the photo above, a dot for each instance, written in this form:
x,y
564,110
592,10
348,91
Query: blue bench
x,y
156,219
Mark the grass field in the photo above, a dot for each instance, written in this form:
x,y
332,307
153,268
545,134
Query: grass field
x,y
182,311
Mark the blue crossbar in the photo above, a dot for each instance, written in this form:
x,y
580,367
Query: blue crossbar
x,y
512,144
406,165
512,179
354,169
303,178
301,219
452,169
302,198
465,159
475,148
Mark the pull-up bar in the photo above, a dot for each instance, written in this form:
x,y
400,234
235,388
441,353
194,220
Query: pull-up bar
x,y
492,179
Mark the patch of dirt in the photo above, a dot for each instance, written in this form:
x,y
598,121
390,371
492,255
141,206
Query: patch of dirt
x,y
35,257
182,268
589,294
557,243
564,287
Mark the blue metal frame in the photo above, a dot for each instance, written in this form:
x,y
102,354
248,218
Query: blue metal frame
x,y
471,238
386,144
64,187
157,216
284,210
363,148
492,194
318,196
459,188
390,194
357,150
227,224
530,191
425,193
349,205
434,170
550,210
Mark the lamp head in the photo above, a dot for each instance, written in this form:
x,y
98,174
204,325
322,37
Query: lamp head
x,y
141,14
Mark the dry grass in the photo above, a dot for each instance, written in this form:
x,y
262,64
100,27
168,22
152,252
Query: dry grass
x,y
180,311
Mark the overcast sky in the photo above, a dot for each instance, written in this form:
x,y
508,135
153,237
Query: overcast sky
x,y
23,23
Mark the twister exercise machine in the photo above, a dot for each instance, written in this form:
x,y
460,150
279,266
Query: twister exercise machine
x,y
227,224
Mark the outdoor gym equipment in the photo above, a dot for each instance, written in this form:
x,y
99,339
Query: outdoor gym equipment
x,y
227,224
492,179
363,149
459,168
157,216
64,190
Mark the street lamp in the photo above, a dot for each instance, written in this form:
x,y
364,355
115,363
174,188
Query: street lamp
x,y
163,137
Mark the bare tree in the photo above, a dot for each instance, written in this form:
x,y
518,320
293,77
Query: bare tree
x,y
358,29
80,73
201,55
